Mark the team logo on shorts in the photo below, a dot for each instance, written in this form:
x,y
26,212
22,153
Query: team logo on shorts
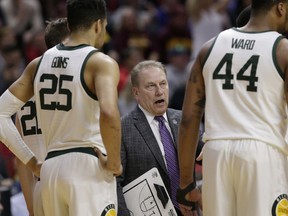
x,y
109,210
280,206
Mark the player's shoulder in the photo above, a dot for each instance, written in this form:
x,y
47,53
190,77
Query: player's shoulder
x,y
31,68
36,61
205,51
102,58
283,41
281,52
102,62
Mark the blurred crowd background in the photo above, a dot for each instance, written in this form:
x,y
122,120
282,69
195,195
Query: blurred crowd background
x,y
171,31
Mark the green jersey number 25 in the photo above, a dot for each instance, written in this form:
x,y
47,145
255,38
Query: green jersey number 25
x,y
56,87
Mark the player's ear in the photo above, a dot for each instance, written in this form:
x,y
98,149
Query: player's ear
x,y
282,8
98,26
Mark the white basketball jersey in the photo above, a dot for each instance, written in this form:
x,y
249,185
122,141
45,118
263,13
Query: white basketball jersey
x,y
245,89
67,111
31,130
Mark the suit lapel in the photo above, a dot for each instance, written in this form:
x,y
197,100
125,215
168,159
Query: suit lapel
x,y
174,124
145,130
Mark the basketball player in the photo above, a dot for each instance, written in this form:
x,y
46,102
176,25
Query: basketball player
x,y
28,126
75,89
56,31
240,79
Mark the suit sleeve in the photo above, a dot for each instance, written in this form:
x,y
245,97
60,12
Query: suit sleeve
x,y
122,208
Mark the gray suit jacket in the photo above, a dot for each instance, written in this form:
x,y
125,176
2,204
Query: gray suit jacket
x,y
140,151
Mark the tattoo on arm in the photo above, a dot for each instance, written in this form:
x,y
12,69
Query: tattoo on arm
x,y
194,78
201,103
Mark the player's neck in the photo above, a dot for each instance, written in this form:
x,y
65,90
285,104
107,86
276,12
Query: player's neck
x,y
80,37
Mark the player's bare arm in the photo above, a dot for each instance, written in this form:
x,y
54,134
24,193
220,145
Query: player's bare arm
x,y
106,78
11,101
192,113
282,50
26,178
23,87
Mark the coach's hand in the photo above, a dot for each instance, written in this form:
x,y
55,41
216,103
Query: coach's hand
x,y
110,165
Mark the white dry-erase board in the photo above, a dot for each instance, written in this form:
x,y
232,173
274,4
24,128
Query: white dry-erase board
x,y
147,195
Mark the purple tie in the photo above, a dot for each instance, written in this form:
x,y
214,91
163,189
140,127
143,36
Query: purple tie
x,y
170,157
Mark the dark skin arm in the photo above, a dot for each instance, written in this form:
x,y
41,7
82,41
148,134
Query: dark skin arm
x,y
282,59
192,113
193,109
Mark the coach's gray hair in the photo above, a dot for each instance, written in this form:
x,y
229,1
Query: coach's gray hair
x,y
144,65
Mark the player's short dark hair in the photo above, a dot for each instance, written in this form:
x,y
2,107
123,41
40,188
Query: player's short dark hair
x,y
243,17
56,31
81,14
264,5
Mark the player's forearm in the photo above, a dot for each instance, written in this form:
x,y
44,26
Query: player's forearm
x,y
186,162
111,134
27,182
188,141
9,135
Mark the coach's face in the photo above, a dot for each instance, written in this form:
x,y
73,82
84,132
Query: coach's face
x,y
152,91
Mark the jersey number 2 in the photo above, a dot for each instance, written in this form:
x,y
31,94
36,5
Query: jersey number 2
x,y
30,117
251,78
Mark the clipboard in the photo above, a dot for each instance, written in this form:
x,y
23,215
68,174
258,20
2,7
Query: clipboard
x,y
147,196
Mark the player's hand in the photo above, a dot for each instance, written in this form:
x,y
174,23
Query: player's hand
x,y
118,171
113,167
188,211
192,210
200,156
37,169
35,166
188,198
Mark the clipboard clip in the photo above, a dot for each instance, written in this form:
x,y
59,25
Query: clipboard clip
x,y
162,194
